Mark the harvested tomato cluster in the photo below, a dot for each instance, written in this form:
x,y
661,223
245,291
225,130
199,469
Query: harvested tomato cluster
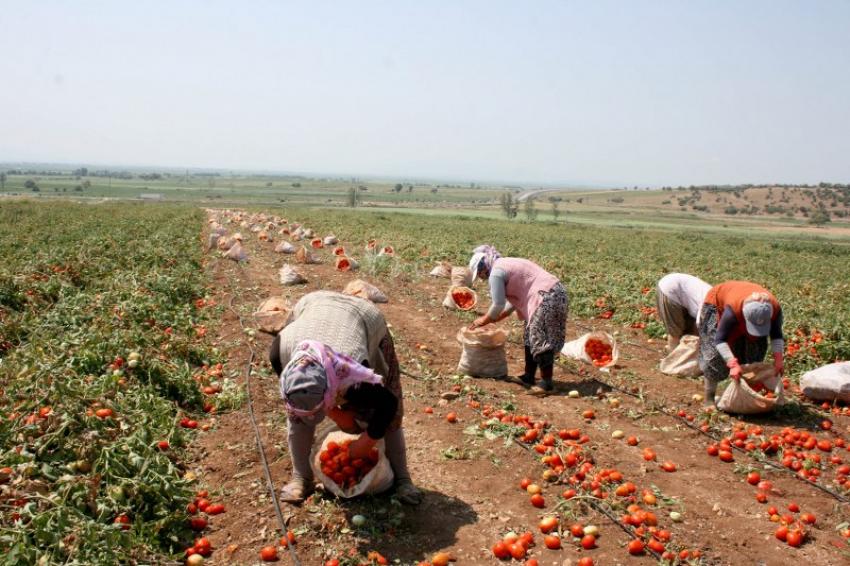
x,y
338,465
599,351
463,298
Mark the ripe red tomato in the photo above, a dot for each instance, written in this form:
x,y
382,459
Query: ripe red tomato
x,y
808,518
588,542
636,547
632,441
215,509
793,507
552,542
782,533
501,551
712,450
538,501
163,445
332,562
577,530
795,538
268,553
198,523
753,478
656,546
726,456
585,561
104,413
524,483
452,417
517,551
761,497
668,466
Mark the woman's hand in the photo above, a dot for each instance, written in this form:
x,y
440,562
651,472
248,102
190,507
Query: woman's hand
x,y
479,322
778,364
362,446
735,370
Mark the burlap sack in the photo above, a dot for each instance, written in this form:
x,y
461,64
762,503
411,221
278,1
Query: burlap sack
x,y
303,255
330,240
442,269
379,479
272,314
740,397
575,348
828,383
289,275
236,253
365,290
339,251
387,250
285,248
684,359
461,277
345,263
483,353
317,243
456,296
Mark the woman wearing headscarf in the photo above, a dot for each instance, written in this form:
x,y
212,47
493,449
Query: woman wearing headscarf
x,y
539,300
735,321
336,358
679,298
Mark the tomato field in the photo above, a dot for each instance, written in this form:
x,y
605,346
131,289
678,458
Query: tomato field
x,y
126,348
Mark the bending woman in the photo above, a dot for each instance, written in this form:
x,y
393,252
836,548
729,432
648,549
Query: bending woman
x,y
539,300
735,321
336,358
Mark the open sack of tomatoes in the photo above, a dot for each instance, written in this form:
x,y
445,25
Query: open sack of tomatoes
x,y
597,348
345,476
460,298
758,391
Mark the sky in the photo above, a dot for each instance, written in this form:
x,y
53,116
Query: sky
x,y
597,93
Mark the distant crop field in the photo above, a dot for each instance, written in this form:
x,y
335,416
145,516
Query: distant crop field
x,y
606,269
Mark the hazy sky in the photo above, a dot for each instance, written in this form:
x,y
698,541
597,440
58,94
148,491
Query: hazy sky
x,y
596,92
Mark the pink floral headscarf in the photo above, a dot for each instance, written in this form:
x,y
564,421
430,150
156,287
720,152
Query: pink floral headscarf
x,y
341,372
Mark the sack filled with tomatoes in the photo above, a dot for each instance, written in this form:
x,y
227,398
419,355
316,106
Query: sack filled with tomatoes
x,y
345,476
597,348
460,298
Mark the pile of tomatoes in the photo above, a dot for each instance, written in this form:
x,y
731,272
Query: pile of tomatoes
x,y
600,352
344,470
463,297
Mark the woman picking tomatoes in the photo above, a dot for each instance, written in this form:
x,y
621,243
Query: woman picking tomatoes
x,y
539,300
336,358
735,321
679,297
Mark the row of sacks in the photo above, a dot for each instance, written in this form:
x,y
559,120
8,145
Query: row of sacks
x,y
460,295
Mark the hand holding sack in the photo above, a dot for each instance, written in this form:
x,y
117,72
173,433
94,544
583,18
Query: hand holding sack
x,y
377,479
758,390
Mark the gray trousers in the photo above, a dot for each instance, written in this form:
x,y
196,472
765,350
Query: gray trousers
x,y
301,435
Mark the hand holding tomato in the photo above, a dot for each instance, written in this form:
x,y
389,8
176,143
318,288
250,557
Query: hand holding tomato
x,y
361,447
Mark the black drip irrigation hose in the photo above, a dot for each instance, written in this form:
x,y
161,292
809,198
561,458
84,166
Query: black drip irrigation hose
x,y
260,449
592,501
772,463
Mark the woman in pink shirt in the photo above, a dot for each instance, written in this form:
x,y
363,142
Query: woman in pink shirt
x,y
539,300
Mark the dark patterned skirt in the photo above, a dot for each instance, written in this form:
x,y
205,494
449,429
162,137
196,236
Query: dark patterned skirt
x,y
547,329
712,364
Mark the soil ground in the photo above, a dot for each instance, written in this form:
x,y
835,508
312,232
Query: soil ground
x,y
471,487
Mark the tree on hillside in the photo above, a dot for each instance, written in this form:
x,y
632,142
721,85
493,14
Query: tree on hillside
x,y
530,210
820,217
352,197
555,211
506,201
398,187
2,181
